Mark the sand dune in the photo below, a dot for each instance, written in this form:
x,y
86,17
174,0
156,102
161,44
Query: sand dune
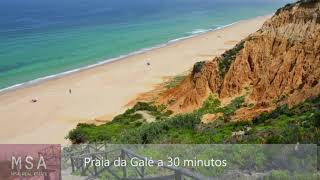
x,y
104,90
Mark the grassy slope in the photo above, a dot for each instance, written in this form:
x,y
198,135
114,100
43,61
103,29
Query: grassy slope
x,y
298,124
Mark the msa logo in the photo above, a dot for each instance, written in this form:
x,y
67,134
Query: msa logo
x,y
27,162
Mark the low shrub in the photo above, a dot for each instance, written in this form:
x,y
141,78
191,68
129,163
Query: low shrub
x,y
284,125
228,57
211,105
197,67
175,81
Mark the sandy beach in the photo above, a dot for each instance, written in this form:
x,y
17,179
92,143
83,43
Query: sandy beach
x,y
103,91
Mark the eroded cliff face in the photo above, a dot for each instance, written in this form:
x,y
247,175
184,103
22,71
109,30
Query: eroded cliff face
x,y
278,64
196,87
282,60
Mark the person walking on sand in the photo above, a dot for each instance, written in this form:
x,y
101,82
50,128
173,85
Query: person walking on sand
x,y
70,91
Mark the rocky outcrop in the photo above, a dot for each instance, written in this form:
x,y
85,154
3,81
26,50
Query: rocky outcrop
x,y
208,118
197,86
280,63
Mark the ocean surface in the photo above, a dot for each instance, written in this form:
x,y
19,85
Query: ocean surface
x,y
43,38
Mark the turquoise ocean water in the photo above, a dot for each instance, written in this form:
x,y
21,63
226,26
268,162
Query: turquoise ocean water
x,y
43,38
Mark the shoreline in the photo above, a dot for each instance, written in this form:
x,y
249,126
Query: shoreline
x,y
102,91
115,59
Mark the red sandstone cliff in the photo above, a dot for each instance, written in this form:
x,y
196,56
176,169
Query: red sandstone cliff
x,y
280,63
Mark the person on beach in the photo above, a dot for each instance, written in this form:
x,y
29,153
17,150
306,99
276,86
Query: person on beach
x,y
70,91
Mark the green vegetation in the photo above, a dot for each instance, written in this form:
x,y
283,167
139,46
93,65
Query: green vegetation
x,y
197,67
287,175
287,7
233,106
283,125
302,3
210,106
175,81
130,127
185,128
130,119
228,57
149,133
213,105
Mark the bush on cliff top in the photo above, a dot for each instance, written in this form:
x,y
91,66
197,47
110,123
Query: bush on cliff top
x,y
197,67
